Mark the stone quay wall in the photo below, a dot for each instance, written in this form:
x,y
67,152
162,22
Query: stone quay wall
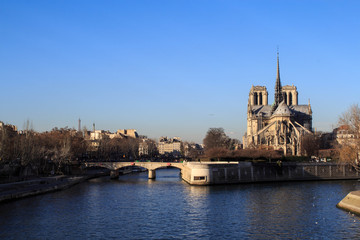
x,y
351,202
208,173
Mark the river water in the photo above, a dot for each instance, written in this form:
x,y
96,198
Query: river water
x,y
134,207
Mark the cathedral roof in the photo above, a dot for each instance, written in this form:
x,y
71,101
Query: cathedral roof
x,y
295,110
261,110
282,110
300,109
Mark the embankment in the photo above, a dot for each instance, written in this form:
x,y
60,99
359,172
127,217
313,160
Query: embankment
x,y
351,202
17,190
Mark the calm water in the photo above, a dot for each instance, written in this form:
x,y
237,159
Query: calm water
x,y
134,207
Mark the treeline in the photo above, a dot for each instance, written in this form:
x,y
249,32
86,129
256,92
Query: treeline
x,y
50,151
219,146
221,154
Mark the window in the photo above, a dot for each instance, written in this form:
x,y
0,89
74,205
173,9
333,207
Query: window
x,y
199,178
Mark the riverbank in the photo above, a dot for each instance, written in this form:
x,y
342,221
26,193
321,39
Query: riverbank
x,y
211,173
22,189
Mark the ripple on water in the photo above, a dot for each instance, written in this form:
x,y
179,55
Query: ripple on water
x,y
134,207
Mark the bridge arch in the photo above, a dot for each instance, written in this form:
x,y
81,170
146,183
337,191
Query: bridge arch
x,y
150,166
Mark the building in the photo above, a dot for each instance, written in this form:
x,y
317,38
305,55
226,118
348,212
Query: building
x,y
96,136
169,146
143,148
344,135
280,125
127,133
193,150
9,126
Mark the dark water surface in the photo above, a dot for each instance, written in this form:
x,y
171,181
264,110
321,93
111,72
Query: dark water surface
x,y
134,207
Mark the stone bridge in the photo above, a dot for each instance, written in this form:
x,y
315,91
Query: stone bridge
x,y
150,166
208,173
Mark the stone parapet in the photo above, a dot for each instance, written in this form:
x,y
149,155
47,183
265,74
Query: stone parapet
x,y
208,173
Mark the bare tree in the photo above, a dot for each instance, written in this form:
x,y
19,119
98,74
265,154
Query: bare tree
x,y
310,145
152,148
349,149
8,144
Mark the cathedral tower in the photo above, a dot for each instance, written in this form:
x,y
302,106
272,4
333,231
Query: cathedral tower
x,y
258,96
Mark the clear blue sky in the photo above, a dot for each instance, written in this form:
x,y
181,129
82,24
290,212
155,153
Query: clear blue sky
x,y
173,68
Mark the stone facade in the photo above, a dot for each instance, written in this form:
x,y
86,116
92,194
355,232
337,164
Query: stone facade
x,y
280,125
143,148
128,133
96,136
9,126
169,145
343,135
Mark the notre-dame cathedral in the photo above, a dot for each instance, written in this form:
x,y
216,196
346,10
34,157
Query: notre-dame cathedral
x,y
280,125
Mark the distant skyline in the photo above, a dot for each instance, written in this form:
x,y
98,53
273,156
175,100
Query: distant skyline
x,y
173,68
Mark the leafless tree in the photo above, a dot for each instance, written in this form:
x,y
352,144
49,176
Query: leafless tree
x,y
152,148
8,144
310,145
349,149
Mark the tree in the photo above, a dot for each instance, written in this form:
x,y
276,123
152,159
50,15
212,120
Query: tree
x,y
217,143
349,149
8,144
310,145
216,138
118,148
152,148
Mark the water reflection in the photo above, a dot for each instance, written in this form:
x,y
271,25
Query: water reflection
x,y
135,207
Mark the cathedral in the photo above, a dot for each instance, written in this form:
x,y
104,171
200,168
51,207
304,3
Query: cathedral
x,y
280,125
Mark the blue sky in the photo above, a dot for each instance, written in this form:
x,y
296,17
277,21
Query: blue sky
x,y
173,68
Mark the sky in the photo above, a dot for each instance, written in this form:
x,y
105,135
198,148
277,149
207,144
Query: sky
x,y
174,67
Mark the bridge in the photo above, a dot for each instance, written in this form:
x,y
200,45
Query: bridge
x,y
150,166
208,173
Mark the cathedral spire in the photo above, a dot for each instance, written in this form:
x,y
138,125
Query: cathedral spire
x,y
278,90
278,69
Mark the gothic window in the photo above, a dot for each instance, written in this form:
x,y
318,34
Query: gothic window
x,y
290,99
285,98
255,99
260,99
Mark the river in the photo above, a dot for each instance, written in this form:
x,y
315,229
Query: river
x,y
134,207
